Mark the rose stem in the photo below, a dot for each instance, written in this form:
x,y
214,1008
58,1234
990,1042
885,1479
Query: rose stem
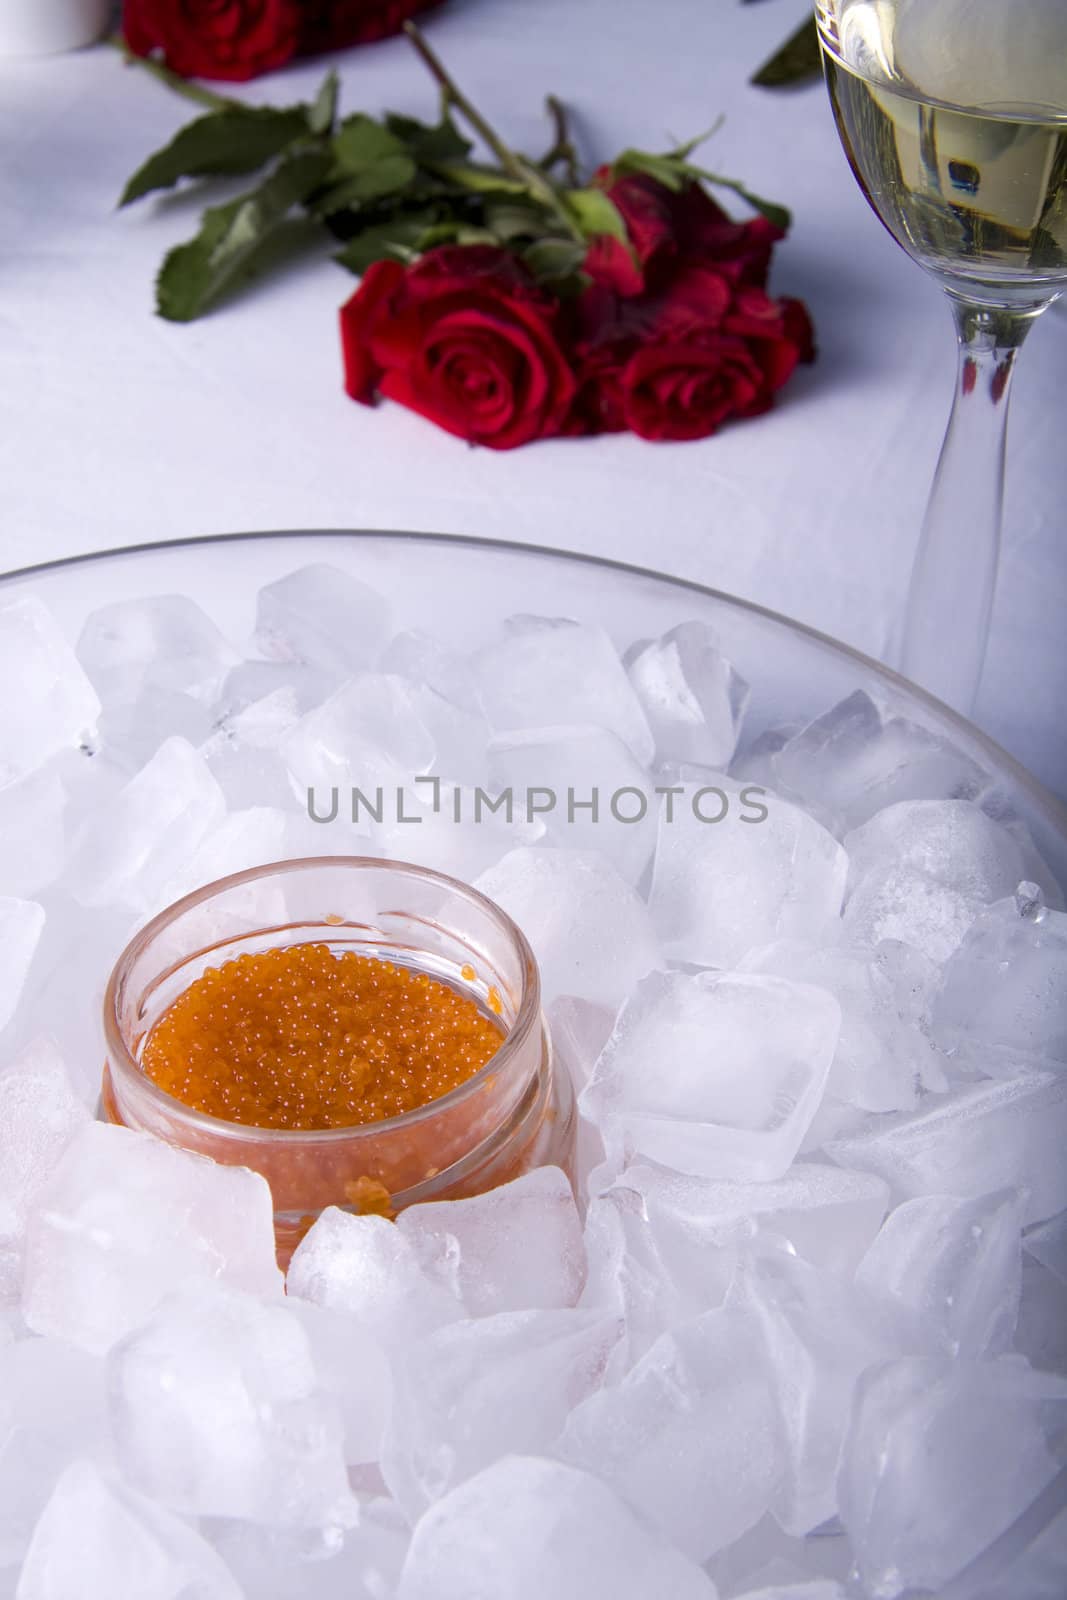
x,y
522,171
173,80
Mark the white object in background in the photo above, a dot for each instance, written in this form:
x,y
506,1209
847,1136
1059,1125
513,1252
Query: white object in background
x,y
45,27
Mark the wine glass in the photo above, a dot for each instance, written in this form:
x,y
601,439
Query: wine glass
x,y
953,115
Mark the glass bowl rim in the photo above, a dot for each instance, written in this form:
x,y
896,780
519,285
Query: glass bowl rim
x,y
528,1019
1044,798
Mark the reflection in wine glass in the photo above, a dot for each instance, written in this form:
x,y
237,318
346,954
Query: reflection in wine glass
x,y
953,115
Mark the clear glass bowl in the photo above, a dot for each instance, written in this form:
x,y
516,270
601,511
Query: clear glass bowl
x,y
459,589
516,1113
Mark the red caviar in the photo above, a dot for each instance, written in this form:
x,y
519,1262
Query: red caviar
x,y
301,1037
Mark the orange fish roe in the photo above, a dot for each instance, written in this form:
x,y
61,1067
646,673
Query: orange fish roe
x,y
303,1038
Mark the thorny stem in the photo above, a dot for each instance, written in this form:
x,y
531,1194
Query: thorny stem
x,y
516,166
173,80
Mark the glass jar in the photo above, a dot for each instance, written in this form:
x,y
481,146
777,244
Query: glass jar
x,y
515,1113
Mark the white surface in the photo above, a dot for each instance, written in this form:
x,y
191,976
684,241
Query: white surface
x,y
116,428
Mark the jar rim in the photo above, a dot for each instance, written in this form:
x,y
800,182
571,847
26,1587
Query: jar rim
x,y
122,1062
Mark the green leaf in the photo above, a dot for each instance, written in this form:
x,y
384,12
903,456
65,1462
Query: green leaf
x,y
399,239
428,142
797,61
665,169
779,215
551,259
479,180
223,254
230,142
595,213
323,110
360,143
509,221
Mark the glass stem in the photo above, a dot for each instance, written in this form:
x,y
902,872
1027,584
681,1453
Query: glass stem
x,y
946,623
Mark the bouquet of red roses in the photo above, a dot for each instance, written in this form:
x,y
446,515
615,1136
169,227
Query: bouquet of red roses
x,y
505,299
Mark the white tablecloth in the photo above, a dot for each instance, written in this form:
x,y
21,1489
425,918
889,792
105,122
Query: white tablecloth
x,y
118,428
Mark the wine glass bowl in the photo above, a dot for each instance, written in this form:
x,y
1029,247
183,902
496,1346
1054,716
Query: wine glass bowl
x,y
953,116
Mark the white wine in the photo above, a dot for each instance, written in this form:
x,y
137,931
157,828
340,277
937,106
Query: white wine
x,y
958,139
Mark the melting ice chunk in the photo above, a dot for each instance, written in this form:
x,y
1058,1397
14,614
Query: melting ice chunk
x,y
736,867
517,1248
715,1074
589,930
527,1528
1004,996
544,663
322,617
692,696
690,1436
125,1219
48,703
217,1411
97,1539
952,1451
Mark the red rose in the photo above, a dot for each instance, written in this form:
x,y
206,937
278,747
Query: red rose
x,y
666,226
464,337
678,363
229,39
333,24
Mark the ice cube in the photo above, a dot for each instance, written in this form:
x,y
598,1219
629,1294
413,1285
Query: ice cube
x,y
957,1264
543,663
243,839
40,1114
358,1563
589,930
942,1456
852,761
48,702
217,1411
982,1137
322,617
757,869
264,689
690,1436
1041,1330
469,1394
525,1528
21,926
1035,1565
627,1275
127,852
53,1408
1004,996
517,1248
692,696
124,1219
951,841
366,736
1047,1243
579,1031
591,792
715,1074
883,1056
896,902
243,751
165,641
32,834
156,663
99,1540
424,659
364,1265
66,984
829,1216
353,1370
821,1332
